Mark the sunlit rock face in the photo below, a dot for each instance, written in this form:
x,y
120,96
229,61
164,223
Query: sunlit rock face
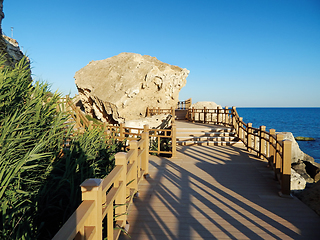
x,y
9,48
121,88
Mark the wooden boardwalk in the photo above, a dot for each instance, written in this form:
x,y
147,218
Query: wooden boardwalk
x,y
216,192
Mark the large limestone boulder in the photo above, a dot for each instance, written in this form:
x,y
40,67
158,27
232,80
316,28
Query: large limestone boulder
x,y
121,88
207,105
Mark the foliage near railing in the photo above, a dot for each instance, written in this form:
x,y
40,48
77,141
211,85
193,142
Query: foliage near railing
x,y
267,145
108,197
162,141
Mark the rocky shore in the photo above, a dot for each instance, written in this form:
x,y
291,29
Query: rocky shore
x,y
305,176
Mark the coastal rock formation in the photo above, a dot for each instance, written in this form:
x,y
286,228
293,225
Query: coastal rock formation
x,y
13,49
121,88
297,181
207,105
296,153
153,121
9,48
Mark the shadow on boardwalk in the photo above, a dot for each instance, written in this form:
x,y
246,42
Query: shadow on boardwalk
x,y
212,192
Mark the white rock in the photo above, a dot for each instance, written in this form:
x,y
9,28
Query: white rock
x,y
207,105
297,181
296,153
153,121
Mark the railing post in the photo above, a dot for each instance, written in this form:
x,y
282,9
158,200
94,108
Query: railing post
x,y
193,116
204,114
218,115
158,110
286,168
134,162
173,113
121,132
249,137
120,201
272,156
226,118
262,143
174,140
92,190
145,156
234,117
240,130
148,112
278,160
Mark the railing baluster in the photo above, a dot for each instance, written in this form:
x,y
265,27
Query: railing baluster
x,y
262,147
249,137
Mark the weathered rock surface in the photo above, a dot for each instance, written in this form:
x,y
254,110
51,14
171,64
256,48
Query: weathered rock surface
x,y
207,105
153,121
9,48
13,49
121,88
297,181
296,153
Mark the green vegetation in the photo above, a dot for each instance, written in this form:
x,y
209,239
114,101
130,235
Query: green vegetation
x,y
304,139
42,161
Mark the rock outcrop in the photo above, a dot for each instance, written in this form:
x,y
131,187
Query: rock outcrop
x,y
207,105
297,181
296,153
9,48
121,88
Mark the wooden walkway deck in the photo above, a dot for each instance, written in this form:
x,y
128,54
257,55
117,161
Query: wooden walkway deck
x,y
216,192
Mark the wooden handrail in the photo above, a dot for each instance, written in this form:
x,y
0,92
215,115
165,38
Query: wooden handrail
x,y
101,197
267,145
121,132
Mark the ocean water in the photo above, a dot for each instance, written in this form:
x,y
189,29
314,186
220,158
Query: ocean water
x,y
303,122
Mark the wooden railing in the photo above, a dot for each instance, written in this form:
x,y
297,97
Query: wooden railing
x,y
109,197
267,145
211,116
184,104
163,141
157,111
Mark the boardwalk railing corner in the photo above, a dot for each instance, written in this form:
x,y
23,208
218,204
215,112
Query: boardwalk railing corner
x,y
109,197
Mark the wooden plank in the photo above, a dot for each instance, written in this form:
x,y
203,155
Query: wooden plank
x,y
89,232
109,180
110,198
76,221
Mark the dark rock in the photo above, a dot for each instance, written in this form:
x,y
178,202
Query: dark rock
x,y
312,169
300,168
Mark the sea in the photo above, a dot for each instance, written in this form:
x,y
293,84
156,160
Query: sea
x,y
304,122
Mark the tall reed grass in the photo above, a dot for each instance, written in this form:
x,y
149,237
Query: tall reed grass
x,y
39,174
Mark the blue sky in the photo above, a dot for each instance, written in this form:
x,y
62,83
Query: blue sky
x,y
257,53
